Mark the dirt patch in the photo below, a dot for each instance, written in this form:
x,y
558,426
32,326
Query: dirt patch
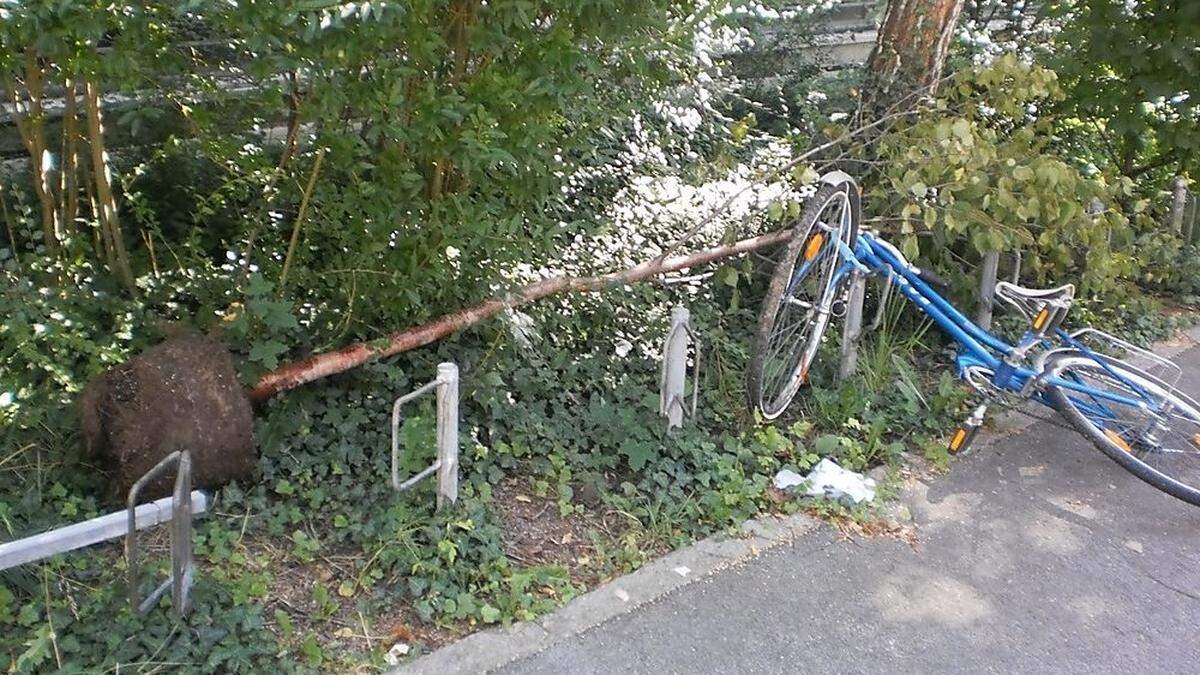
x,y
535,533
182,394
340,621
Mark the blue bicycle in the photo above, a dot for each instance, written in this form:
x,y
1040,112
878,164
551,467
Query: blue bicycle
x,y
1135,415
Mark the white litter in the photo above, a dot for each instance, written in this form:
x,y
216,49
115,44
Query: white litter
x,y
683,570
827,479
396,654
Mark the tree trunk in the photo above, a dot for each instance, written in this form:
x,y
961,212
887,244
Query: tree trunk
x,y
291,375
910,51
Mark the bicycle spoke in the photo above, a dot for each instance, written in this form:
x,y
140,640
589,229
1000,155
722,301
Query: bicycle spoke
x,y
1159,432
801,310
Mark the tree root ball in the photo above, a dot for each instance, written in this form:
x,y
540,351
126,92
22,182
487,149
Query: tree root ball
x,y
182,394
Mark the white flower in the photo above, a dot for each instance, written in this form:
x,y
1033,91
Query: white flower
x,y
452,253
838,116
6,399
38,329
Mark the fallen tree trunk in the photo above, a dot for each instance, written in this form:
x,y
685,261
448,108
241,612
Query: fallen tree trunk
x,y
291,375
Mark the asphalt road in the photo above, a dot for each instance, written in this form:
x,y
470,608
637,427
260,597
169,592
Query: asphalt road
x,y
1035,554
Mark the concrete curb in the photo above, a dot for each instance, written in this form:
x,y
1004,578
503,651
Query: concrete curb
x,y
491,649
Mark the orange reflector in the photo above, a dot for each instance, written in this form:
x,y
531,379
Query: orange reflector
x,y
957,440
1040,319
813,247
1116,438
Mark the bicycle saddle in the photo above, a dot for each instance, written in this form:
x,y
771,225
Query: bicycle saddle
x,y
1029,302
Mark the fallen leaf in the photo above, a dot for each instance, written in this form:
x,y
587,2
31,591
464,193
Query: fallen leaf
x,y
523,498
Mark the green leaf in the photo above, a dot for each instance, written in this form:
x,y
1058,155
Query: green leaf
x,y
728,275
267,353
827,444
489,614
637,453
311,649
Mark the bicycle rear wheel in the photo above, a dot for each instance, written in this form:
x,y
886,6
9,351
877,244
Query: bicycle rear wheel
x,y
1157,440
797,305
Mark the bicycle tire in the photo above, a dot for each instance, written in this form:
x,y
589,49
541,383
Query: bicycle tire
x,y
1107,441
780,280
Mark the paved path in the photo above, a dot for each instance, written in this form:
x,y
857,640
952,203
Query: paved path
x,y
1037,553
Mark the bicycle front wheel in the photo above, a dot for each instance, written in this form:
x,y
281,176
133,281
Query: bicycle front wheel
x,y
1143,423
797,306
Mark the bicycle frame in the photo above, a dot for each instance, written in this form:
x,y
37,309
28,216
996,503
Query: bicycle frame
x,y
977,346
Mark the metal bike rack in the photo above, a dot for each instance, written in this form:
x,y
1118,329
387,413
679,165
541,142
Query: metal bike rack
x,y
178,510
853,329
986,298
673,375
446,464
182,567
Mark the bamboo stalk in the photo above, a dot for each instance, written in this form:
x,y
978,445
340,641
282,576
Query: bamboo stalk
x,y
30,122
102,176
292,375
8,226
300,214
69,185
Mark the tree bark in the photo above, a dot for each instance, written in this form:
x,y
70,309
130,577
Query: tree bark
x,y
910,51
292,375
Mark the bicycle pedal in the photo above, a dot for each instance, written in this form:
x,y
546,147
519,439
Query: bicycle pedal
x,y
964,435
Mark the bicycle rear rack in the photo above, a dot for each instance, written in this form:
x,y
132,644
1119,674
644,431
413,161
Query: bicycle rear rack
x,y
1171,372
